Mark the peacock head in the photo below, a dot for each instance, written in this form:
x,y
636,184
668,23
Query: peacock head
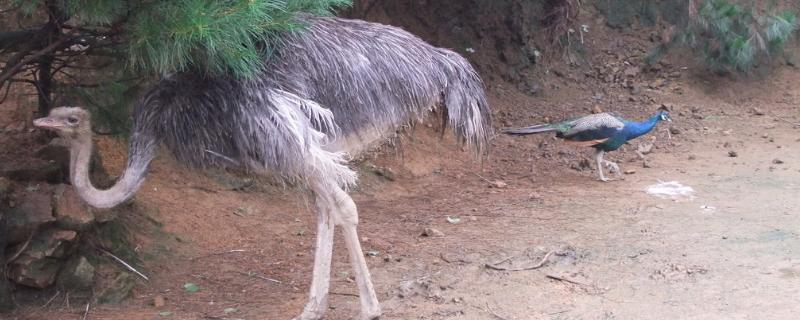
x,y
68,122
663,114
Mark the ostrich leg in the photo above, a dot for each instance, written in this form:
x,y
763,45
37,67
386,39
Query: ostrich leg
x,y
344,214
321,278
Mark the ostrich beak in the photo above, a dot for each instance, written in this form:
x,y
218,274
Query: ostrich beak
x,y
46,123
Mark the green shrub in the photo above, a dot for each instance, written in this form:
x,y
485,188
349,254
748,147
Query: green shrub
x,y
731,37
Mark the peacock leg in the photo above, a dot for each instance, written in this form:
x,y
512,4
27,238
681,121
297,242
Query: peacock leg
x,y
598,157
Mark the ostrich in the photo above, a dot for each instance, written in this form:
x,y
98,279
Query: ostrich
x,y
325,93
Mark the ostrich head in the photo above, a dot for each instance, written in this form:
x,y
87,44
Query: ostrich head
x,y
68,122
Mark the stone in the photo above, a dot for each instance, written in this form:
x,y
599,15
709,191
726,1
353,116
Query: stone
x,y
70,211
78,274
777,161
386,173
431,232
732,154
50,243
758,112
33,209
159,301
36,170
117,290
631,71
674,130
33,272
498,184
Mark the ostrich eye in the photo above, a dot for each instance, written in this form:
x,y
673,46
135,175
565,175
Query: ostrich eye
x,y
72,120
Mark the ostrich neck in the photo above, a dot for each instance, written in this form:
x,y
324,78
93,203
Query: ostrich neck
x,y
123,189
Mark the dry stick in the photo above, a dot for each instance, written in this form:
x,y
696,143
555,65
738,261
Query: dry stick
x,y
255,275
51,300
86,312
484,179
536,266
560,278
128,266
24,246
344,294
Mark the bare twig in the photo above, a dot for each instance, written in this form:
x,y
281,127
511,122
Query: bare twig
x,y
51,299
24,246
787,121
482,178
255,275
10,71
541,263
560,278
125,264
86,312
344,294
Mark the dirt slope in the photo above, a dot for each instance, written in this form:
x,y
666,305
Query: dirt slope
x,y
732,252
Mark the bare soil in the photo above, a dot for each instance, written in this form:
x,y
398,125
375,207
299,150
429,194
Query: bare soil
x,y
732,252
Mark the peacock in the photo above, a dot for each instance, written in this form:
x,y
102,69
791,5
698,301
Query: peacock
x,y
602,131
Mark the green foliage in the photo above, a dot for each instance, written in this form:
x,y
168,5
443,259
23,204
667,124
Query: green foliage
x,y
731,37
102,51
213,36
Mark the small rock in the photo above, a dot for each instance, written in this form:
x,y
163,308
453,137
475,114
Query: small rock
x,y
431,232
386,173
758,112
732,154
766,135
636,89
78,274
33,272
658,83
32,210
159,301
674,130
631,71
777,161
70,211
498,184
117,290
630,171
692,157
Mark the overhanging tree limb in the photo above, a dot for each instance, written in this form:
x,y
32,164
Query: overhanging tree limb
x,y
22,58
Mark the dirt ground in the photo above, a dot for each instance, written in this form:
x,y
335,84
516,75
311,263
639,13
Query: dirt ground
x,y
614,252
732,252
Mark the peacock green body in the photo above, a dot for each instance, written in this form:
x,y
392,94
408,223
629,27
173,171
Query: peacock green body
x,y
602,131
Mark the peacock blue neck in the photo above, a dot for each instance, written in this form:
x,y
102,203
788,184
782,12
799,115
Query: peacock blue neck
x,y
637,128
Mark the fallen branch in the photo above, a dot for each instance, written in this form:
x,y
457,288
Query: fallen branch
x,y
255,275
125,264
344,294
85,312
51,300
560,278
495,266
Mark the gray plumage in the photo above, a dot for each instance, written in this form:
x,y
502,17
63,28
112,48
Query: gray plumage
x,y
327,91
337,84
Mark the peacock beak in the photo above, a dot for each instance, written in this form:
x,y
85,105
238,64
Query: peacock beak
x,y
47,123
